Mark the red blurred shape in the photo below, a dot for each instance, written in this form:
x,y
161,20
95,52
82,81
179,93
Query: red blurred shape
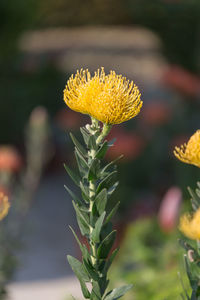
x,y
182,81
156,113
129,144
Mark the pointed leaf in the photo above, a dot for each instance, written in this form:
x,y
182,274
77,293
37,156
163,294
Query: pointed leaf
x,y
106,245
110,260
111,163
102,150
107,182
74,197
83,248
80,148
90,270
85,192
93,170
118,292
77,267
85,134
113,188
73,175
82,222
112,213
96,231
82,164
101,201
92,142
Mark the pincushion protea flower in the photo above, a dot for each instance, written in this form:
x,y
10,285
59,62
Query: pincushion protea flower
x,y
190,152
4,205
190,225
110,98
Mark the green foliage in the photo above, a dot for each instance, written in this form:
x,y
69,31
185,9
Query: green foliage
x,y
97,182
151,260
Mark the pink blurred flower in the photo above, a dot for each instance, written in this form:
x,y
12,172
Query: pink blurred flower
x,y
129,144
182,81
156,113
10,160
169,209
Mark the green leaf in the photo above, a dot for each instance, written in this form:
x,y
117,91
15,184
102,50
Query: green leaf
x,y
96,291
102,150
113,188
195,200
82,164
85,192
90,270
79,271
85,134
92,142
106,245
112,213
97,230
82,222
80,148
101,201
110,260
107,182
93,170
74,197
111,163
83,248
73,175
118,292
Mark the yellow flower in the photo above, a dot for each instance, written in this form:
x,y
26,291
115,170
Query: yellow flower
x,y
4,205
110,98
190,152
190,225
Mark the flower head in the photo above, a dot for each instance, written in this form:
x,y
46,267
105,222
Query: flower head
x,y
190,225
4,205
110,98
190,152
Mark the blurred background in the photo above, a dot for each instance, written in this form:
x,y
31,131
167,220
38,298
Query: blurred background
x,y
155,43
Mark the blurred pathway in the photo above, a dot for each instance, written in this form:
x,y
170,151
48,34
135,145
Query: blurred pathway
x,y
44,272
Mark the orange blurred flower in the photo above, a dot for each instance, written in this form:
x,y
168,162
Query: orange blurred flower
x,y
129,144
156,113
10,159
4,206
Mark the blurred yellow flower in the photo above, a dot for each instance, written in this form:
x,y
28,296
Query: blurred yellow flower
x,y
110,98
190,225
4,205
190,152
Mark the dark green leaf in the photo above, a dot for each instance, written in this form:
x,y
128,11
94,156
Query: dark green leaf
x,y
80,148
195,200
101,201
82,222
74,197
102,150
77,267
96,292
73,175
106,245
107,182
112,213
118,292
96,231
93,170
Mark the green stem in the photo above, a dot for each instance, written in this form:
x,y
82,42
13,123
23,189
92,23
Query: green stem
x,y
105,131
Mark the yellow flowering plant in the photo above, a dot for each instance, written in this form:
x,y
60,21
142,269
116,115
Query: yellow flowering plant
x,y
109,99
190,223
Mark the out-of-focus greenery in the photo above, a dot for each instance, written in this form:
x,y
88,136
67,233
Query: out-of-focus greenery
x,y
150,260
